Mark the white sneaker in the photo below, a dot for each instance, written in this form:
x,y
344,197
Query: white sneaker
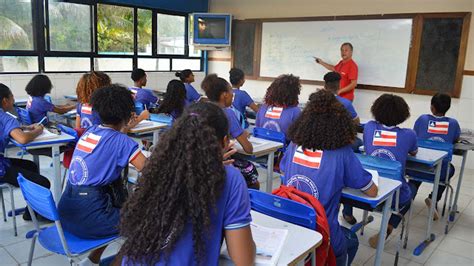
x,y
428,203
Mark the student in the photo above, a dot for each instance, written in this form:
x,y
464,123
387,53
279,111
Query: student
x,y
331,83
187,77
88,83
86,208
219,91
281,104
200,203
320,161
174,100
383,138
37,105
10,129
438,127
242,99
142,95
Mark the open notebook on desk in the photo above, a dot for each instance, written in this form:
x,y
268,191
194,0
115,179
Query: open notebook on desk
x,y
375,176
269,242
45,135
143,124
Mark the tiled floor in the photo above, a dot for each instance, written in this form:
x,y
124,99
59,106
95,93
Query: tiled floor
x,y
456,248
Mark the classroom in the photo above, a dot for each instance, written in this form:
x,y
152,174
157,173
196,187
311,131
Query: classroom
x,y
250,132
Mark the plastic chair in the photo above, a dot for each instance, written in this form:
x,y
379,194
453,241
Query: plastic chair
x,y
54,238
139,108
422,176
283,209
24,115
12,202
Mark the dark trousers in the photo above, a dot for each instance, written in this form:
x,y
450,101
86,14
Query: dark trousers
x,y
28,169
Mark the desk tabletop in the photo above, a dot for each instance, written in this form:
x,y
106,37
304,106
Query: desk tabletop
x,y
427,156
60,139
299,242
386,187
71,97
150,127
261,147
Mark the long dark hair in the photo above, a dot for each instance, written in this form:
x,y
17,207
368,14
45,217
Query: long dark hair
x,y
173,193
174,98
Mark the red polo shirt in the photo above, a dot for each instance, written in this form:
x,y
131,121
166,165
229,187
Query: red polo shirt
x,y
348,71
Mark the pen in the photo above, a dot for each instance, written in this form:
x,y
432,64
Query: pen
x,y
42,120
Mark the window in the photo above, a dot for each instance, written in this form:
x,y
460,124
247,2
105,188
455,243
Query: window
x,y
67,64
180,64
154,64
115,29
171,32
144,31
69,27
16,25
18,64
113,64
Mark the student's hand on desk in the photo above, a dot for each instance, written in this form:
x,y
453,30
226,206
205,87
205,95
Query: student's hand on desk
x,y
229,152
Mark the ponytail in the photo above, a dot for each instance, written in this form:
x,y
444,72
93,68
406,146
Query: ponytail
x,y
183,75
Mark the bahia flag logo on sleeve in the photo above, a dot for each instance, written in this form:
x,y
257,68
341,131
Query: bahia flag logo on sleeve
x,y
385,138
274,112
437,127
308,158
86,109
88,142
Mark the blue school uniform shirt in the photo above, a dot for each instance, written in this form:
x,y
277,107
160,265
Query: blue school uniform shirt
x,y
241,100
100,155
144,96
233,212
235,128
348,105
443,129
8,123
277,118
323,174
391,143
38,107
88,116
191,94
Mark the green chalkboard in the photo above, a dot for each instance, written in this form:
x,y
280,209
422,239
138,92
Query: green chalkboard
x,y
243,46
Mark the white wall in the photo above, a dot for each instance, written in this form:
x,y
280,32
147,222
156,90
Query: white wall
x,y
462,108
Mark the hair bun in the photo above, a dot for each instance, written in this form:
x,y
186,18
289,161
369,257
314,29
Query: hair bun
x,y
178,74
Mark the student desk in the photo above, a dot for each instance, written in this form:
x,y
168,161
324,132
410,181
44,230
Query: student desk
x,y
461,148
72,97
21,102
300,241
54,144
152,127
427,160
387,189
263,147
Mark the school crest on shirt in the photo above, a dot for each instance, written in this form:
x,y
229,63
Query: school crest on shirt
x,y
303,183
274,112
438,127
308,158
272,125
79,172
86,109
385,138
88,142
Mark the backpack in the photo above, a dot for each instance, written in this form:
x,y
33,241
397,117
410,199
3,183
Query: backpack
x,y
324,253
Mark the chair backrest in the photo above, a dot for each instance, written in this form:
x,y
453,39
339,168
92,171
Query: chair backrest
x,y
385,167
438,145
283,209
48,98
69,131
38,198
139,108
24,115
269,134
162,118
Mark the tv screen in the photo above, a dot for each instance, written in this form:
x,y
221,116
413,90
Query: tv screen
x,y
211,29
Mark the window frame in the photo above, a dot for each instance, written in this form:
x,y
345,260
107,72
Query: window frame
x,y
42,45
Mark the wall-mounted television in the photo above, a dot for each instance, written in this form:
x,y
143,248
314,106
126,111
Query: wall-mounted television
x,y
211,30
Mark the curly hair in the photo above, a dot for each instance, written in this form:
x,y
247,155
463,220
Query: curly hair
x,y
39,85
185,188
441,102
88,83
390,110
113,103
214,87
324,124
183,75
236,75
283,91
174,98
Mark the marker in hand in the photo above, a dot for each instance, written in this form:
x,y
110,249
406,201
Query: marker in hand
x,y
317,59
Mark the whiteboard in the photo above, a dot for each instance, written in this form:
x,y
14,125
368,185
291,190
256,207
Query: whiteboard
x,y
381,48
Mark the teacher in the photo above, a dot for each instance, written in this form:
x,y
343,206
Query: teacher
x,y
348,70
